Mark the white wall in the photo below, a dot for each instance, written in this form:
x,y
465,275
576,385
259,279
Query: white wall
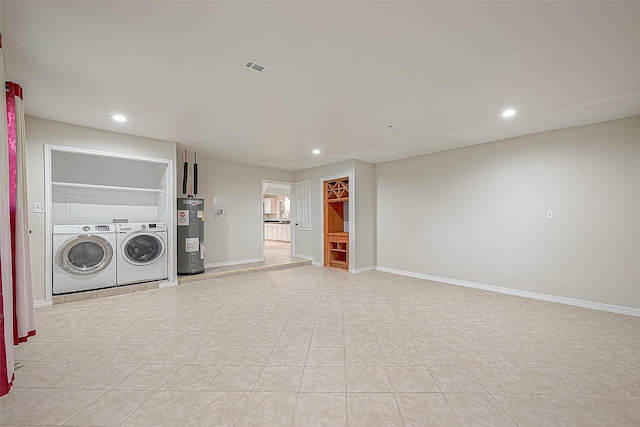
x,y
365,215
236,235
40,132
362,196
589,176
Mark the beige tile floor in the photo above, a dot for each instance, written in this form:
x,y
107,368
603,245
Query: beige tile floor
x,y
276,256
276,252
310,346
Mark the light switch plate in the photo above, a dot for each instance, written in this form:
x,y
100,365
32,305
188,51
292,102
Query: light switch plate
x,y
549,214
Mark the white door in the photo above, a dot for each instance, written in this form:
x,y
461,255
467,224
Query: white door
x,y
302,205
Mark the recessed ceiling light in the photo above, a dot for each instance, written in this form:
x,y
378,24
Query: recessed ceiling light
x,y
316,151
119,118
508,113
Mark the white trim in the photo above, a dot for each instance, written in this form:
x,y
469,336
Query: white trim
x,y
167,284
292,242
172,206
317,263
630,311
236,262
48,226
363,269
42,303
304,257
105,154
48,185
352,214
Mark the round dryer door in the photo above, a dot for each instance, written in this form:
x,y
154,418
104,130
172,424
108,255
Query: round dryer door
x,y
142,248
85,255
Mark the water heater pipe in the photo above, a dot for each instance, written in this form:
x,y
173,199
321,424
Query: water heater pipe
x,y
185,174
195,174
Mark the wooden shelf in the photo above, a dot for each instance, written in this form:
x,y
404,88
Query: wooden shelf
x,y
336,239
337,189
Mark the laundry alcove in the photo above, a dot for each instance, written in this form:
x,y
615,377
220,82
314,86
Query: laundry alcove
x,y
92,187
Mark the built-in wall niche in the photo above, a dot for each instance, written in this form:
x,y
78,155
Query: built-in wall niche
x,y
336,223
97,170
98,188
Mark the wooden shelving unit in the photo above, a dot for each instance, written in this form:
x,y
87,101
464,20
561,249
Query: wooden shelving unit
x,y
336,209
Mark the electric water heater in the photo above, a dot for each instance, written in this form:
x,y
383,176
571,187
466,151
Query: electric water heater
x,y
190,235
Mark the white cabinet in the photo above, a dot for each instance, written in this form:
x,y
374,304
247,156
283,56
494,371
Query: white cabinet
x,y
270,231
277,231
269,205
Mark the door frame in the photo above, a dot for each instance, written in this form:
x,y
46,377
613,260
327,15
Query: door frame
x,y
291,233
352,216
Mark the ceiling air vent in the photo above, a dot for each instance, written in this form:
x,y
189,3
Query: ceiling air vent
x,y
278,161
262,69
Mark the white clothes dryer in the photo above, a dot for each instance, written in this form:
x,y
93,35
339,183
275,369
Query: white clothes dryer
x,y
142,252
83,257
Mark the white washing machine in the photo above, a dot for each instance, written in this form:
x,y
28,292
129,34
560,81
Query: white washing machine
x,y
142,252
83,257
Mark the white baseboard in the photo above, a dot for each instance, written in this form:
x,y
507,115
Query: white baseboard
x,y
303,257
313,260
363,269
167,284
42,303
526,294
236,262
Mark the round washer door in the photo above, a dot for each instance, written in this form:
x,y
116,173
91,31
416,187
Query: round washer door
x,y
142,248
85,255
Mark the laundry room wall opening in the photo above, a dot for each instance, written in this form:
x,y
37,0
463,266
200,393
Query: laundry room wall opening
x,y
277,239
88,187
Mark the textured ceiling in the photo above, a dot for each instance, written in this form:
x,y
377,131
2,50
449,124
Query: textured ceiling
x,y
342,72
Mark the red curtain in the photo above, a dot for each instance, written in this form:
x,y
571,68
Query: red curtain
x,y
17,314
6,349
23,317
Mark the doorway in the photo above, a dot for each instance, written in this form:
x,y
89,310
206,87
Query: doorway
x,y
277,236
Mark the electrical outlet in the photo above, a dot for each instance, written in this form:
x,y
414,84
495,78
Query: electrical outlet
x,y
549,214
38,207
472,224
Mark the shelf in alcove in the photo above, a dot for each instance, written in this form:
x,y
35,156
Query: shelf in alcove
x,y
104,187
344,199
